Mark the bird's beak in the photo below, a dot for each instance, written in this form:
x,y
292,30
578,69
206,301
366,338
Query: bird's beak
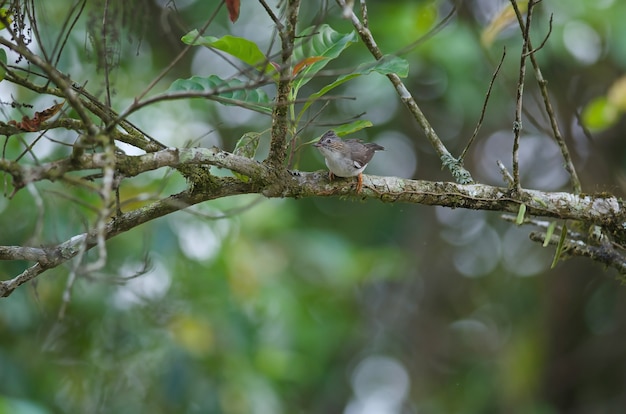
x,y
317,144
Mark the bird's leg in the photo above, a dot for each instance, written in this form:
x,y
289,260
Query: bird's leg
x,y
359,183
330,175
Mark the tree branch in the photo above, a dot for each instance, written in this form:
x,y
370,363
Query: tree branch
x,y
57,255
605,253
280,121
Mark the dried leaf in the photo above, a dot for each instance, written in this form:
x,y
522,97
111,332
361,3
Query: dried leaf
x,y
34,124
306,62
233,9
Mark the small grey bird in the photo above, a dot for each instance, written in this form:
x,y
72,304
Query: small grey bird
x,y
346,158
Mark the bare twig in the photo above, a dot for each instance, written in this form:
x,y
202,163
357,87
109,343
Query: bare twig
x,y
106,194
556,132
545,39
60,44
484,109
107,69
517,124
558,137
506,175
279,26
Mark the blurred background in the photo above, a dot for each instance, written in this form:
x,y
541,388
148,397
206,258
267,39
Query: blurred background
x,y
248,305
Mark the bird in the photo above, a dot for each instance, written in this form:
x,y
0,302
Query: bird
x,y
346,158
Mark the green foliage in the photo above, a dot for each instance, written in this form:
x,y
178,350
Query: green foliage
x,y
559,248
5,18
386,65
600,114
243,49
319,41
521,213
549,233
320,45
604,111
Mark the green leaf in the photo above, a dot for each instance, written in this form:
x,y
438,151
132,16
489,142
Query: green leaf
x,y
600,114
3,59
549,233
559,247
243,49
352,127
320,41
347,129
520,214
386,65
5,17
228,92
246,147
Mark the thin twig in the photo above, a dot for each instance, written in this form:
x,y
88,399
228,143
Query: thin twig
x,y
30,11
545,39
506,175
107,69
556,132
275,19
60,44
484,109
517,124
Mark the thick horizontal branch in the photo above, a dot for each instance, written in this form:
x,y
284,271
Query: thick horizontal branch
x,y
130,166
603,210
